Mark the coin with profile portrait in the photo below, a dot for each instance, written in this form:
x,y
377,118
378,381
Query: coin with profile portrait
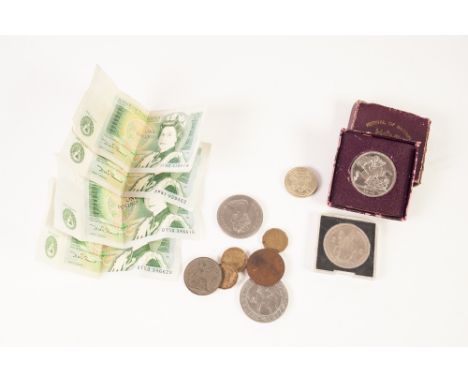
x,y
240,216
373,174
346,245
275,238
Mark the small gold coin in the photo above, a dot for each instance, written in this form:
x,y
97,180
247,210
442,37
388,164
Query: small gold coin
x,y
229,277
276,239
301,182
235,257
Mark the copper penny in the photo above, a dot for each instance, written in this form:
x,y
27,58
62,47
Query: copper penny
x,y
276,239
235,257
265,267
229,277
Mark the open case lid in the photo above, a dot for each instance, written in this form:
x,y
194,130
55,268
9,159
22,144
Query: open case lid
x,y
386,121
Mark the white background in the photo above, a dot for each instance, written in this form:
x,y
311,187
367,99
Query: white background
x,y
272,103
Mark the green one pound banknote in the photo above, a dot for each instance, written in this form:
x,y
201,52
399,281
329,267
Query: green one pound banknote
x,y
90,212
159,257
116,127
178,188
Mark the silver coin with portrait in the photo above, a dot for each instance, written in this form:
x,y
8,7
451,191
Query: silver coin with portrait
x,y
240,216
373,174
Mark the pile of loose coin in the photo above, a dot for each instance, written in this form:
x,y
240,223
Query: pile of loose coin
x,y
263,297
204,275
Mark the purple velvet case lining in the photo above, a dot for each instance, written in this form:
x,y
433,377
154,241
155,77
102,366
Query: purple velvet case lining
x,y
392,205
386,121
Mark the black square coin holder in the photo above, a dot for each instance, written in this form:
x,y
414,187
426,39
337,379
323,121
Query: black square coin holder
x,y
324,263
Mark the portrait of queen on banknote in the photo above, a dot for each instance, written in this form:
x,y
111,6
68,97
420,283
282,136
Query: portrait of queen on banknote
x,y
172,134
115,126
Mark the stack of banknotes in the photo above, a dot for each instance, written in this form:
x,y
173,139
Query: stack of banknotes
x,y
128,186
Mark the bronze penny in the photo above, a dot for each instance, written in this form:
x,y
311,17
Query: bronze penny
x,y
234,257
265,267
276,239
346,245
229,277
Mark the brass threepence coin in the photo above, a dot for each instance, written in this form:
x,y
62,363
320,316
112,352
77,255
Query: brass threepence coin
x,y
276,239
261,303
229,277
202,276
265,267
346,245
373,174
235,257
240,216
300,182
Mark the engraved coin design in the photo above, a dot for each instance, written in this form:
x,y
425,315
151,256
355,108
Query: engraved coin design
x,y
346,245
229,277
373,174
69,218
202,276
77,152
51,246
265,267
240,216
276,239
235,257
263,304
301,182
87,126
